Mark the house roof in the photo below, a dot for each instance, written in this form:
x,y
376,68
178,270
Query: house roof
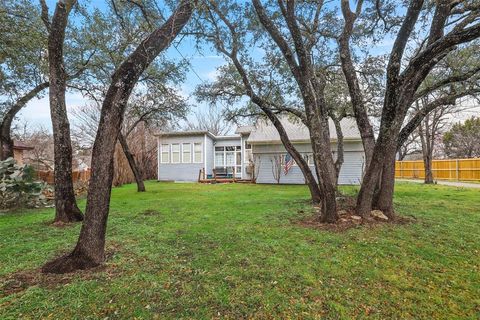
x,y
19,145
185,133
245,129
196,133
265,131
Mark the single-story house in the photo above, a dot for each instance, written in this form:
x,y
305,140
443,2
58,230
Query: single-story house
x,y
253,151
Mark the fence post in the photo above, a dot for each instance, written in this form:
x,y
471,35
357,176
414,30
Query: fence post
x,y
458,176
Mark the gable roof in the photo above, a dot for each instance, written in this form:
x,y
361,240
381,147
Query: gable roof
x,y
19,145
265,131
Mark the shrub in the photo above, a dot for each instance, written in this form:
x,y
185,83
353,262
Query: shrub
x,y
18,187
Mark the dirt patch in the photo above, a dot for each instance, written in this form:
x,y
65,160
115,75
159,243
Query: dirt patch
x,y
348,219
150,212
22,280
61,224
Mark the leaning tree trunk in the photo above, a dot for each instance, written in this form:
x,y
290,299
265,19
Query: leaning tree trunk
x,y
350,73
66,209
313,187
6,142
315,192
90,249
132,163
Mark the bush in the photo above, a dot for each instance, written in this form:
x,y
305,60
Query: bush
x,y
18,187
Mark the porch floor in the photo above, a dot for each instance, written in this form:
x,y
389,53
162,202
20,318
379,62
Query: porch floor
x,y
225,180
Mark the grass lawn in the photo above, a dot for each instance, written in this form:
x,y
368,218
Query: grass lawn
x,y
232,251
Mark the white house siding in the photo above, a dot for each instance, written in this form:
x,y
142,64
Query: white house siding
x,y
180,171
352,168
350,173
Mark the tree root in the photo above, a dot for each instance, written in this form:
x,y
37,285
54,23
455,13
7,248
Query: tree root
x,y
69,263
67,215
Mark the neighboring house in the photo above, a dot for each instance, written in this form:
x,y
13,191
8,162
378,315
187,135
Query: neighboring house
x,y
251,152
19,149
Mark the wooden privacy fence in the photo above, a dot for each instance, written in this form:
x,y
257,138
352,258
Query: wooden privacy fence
x,y
48,176
449,169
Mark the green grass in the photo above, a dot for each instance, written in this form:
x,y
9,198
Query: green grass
x,y
232,251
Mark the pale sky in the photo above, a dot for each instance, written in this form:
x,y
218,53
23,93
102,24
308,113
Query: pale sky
x,y
202,65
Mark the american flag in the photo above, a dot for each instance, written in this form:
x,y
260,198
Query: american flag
x,y
288,163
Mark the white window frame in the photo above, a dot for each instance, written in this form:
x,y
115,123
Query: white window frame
x,y
189,152
179,152
162,151
194,152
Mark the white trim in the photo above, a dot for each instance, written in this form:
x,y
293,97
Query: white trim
x,y
204,154
241,156
183,152
158,158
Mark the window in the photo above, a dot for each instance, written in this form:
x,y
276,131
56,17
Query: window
x,y
165,153
197,152
186,152
309,158
219,156
175,153
230,158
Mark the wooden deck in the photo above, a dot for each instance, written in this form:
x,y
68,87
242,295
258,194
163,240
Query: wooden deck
x,y
225,180
202,178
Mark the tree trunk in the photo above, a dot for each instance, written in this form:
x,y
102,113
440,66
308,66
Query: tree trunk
x,y
66,209
426,139
6,139
133,164
322,153
365,198
312,91
384,198
348,68
340,149
313,187
90,249
428,169
6,142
